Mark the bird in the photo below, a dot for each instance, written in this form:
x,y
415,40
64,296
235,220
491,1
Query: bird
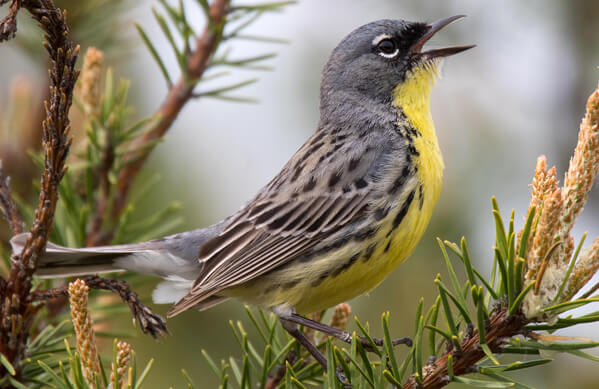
x,y
348,207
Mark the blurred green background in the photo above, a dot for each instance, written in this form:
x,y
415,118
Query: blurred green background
x,y
519,94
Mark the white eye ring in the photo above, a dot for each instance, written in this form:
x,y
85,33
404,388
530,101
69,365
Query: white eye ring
x,y
378,39
392,55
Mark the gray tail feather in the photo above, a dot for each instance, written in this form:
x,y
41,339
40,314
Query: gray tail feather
x,y
59,261
171,257
174,258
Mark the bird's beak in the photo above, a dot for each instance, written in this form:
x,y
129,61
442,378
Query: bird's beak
x,y
416,48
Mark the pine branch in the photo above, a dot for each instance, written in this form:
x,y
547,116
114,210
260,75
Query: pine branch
x,y
150,322
17,312
500,328
8,25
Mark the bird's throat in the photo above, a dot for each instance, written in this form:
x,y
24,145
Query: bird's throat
x,y
413,96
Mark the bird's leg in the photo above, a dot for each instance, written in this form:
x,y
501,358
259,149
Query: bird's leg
x,y
342,335
294,331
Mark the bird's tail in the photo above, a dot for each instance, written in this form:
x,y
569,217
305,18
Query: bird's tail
x,y
59,261
174,258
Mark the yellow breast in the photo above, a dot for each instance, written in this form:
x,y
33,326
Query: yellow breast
x,y
413,97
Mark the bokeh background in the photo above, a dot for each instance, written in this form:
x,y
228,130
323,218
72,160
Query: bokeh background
x,y
520,93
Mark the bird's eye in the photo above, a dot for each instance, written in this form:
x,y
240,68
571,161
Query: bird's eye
x,y
387,48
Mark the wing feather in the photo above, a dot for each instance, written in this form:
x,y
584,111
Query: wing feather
x,y
240,254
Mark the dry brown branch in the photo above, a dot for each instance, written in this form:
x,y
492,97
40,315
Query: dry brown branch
x,y
180,93
8,25
16,310
8,207
150,322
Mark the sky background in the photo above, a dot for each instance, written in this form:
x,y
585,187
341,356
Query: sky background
x,y
519,94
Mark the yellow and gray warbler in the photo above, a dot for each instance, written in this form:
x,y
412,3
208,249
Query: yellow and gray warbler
x,y
346,210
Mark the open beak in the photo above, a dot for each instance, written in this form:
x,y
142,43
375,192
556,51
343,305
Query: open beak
x,y
416,48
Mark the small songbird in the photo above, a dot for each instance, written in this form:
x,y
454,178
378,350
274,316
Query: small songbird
x,y
342,214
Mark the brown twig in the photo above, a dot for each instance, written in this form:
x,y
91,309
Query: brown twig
x,y
180,93
8,25
150,322
16,311
501,327
8,207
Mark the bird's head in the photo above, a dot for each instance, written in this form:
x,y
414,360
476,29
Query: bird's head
x,y
377,58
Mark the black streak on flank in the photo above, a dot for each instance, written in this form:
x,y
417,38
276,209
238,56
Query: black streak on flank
x,y
401,180
346,265
320,278
402,212
369,251
310,184
420,196
412,132
412,150
334,179
388,245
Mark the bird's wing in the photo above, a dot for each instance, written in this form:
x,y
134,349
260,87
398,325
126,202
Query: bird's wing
x,y
268,236
281,225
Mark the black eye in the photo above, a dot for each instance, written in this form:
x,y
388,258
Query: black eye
x,y
387,47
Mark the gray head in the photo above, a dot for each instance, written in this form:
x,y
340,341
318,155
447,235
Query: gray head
x,y
375,58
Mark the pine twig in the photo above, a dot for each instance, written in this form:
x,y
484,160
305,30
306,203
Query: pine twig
x,y
501,327
16,311
150,322
8,25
